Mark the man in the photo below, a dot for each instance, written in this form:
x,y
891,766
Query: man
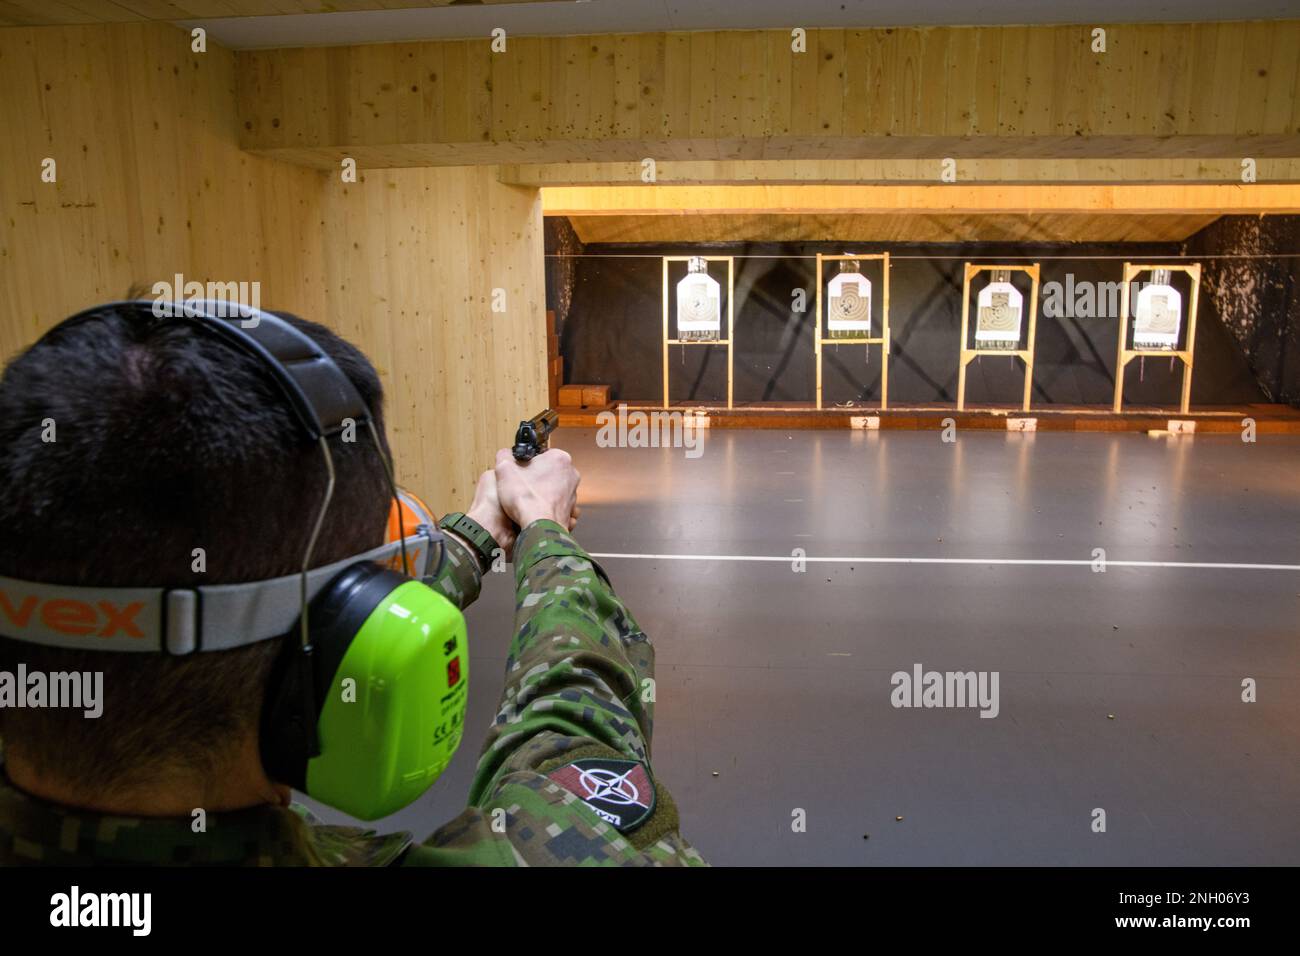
x,y
130,447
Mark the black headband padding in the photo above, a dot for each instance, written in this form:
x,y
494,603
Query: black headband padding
x,y
320,394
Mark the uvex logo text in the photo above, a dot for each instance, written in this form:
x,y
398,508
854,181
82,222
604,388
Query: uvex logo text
x,y
69,616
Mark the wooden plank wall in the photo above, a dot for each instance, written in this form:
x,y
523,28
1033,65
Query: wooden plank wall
x,y
151,182
413,257
1160,90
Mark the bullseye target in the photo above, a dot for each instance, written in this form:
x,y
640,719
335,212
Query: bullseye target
x,y
999,315
1159,314
849,312
699,307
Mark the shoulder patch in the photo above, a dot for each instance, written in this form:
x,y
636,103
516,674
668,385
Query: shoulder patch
x,y
620,791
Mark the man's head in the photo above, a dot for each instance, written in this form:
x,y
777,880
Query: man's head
x,y
175,461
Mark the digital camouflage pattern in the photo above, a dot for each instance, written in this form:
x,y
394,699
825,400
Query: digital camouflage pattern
x,y
457,575
579,689
579,684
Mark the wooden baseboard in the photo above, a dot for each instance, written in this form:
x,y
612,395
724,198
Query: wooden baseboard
x,y
1219,419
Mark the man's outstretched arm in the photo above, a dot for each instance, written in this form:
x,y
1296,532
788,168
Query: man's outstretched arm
x,y
579,665
565,771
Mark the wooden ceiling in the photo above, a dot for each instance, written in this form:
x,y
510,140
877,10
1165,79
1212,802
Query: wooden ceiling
x,y
1165,91
35,13
892,227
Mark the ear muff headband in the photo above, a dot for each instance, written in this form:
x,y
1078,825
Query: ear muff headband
x,y
182,621
321,396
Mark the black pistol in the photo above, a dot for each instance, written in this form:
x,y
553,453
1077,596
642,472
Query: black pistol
x,y
532,436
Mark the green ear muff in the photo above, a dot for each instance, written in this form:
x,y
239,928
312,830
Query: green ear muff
x,y
392,717
389,675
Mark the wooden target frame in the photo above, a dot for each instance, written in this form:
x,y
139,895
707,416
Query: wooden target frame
x,y
1026,354
731,318
882,340
1185,355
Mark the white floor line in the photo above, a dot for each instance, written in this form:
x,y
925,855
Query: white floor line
x,y
1018,562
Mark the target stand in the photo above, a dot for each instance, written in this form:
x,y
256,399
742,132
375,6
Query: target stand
x,y
968,354
731,318
868,340
1184,354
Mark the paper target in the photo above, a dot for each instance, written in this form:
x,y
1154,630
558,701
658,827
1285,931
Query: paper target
x,y
850,305
1159,314
699,307
1161,318
999,315
997,321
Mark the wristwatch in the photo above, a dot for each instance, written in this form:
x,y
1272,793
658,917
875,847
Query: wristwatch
x,y
479,538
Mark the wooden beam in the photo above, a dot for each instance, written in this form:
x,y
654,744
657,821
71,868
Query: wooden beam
x,y
954,198
886,171
1161,91
34,13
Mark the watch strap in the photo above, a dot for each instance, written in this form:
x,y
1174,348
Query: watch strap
x,y
478,537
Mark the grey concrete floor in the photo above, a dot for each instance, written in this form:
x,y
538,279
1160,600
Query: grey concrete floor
x,y
774,687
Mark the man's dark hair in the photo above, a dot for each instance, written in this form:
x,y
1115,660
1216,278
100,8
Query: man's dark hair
x,y
167,440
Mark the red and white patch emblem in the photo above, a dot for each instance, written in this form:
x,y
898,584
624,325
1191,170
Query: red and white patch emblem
x,y
620,791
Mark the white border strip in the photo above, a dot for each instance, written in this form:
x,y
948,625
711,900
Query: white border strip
x,y
1016,562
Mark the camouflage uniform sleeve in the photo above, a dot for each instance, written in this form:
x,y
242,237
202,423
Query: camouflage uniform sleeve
x,y
564,777
579,664
457,575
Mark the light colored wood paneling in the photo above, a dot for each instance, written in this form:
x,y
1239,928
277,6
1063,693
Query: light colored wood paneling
x,y
1214,90
904,227
150,180
152,183
415,258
